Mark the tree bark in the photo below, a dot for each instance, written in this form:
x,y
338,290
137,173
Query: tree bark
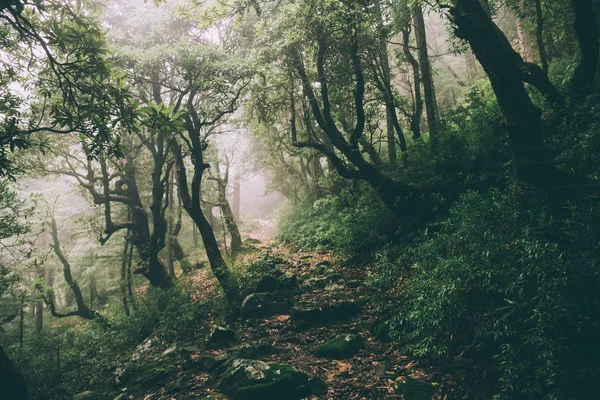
x,y
192,204
415,121
533,161
39,304
586,29
539,34
83,310
431,106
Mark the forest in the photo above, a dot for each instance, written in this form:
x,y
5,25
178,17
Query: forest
x,y
299,199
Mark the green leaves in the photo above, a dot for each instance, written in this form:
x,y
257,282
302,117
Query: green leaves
x,y
161,117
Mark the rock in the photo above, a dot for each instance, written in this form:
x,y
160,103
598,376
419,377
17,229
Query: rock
x,y
365,325
175,386
252,241
415,390
170,350
381,332
150,374
340,347
141,349
261,305
211,363
220,337
267,284
272,283
316,386
255,351
316,283
306,314
256,380
341,310
88,394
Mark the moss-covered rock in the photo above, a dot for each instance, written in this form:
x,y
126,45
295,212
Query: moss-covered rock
x,y
415,390
317,386
381,331
261,305
340,347
220,336
211,363
258,380
341,310
175,386
150,374
271,283
255,351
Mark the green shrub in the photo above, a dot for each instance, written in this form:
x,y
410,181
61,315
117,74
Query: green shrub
x,y
353,221
513,289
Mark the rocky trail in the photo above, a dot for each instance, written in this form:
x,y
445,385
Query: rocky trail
x,y
311,330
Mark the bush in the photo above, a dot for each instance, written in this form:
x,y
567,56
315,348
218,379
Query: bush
x,y
501,281
353,221
73,355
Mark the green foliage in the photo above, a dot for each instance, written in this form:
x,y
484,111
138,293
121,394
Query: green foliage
x,y
500,280
353,221
73,356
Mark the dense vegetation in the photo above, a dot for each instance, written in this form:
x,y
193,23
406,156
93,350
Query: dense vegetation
x,y
435,162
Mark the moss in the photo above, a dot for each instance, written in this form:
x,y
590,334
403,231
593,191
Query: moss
x,y
341,346
257,380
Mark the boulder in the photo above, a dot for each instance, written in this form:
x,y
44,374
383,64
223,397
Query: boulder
x,y
381,332
261,305
340,347
306,314
316,386
272,283
220,337
255,351
211,363
150,374
341,310
258,380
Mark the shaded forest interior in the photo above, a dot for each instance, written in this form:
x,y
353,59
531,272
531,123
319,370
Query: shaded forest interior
x,y
299,199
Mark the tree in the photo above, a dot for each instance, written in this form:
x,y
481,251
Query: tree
x,y
504,67
431,106
83,310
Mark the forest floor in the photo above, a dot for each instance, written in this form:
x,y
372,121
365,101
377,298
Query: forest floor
x,y
377,371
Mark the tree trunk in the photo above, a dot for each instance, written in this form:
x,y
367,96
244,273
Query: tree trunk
x,y
83,310
232,228
533,161
415,121
124,277
12,383
586,29
431,106
39,304
539,34
192,204
236,196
